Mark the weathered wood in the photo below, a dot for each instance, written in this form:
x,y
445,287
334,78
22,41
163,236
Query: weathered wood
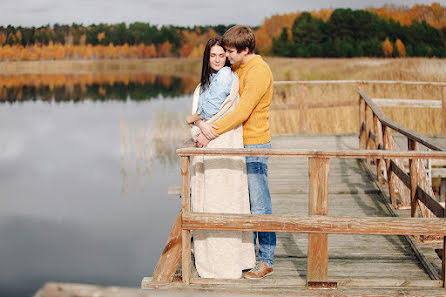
x,y
426,264
443,258
344,154
433,205
443,189
438,172
413,146
413,103
399,172
388,146
379,145
185,208
361,83
322,285
362,124
295,283
368,142
315,224
317,263
426,141
443,109
171,256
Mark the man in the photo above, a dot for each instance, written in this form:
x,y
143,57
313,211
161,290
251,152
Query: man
x,y
256,89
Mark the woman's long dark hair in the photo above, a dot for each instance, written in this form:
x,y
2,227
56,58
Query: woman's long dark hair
x,y
206,69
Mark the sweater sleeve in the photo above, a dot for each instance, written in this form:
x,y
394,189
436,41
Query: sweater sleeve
x,y
213,97
257,83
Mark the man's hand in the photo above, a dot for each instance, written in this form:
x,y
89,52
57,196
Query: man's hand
x,y
208,130
201,141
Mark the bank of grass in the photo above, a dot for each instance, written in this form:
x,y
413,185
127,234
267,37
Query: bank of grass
x,y
418,69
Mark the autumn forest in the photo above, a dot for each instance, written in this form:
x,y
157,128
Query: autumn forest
x,y
379,32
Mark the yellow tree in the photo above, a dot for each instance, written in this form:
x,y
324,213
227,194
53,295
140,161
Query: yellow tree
x,y
151,50
387,47
164,49
400,47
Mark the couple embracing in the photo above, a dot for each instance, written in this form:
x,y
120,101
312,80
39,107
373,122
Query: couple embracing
x,y
231,110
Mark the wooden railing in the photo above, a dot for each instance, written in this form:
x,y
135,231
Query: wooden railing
x,y
414,190
318,224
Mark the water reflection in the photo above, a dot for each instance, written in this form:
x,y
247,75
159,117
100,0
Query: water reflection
x,y
84,189
93,86
142,143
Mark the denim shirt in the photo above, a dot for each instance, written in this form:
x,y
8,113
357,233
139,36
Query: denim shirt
x,y
215,94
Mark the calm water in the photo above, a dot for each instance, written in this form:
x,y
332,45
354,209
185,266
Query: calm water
x,y
84,188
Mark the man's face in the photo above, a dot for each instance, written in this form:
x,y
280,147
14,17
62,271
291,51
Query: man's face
x,y
233,56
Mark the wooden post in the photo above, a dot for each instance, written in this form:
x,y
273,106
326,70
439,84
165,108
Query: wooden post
x,y
362,124
317,266
370,143
387,146
378,145
171,256
185,208
443,258
443,108
443,189
413,146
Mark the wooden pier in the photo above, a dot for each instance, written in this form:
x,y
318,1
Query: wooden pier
x,y
351,218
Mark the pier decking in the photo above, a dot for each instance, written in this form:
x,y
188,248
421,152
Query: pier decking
x,y
359,264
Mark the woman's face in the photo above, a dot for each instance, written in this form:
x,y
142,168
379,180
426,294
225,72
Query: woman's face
x,y
217,57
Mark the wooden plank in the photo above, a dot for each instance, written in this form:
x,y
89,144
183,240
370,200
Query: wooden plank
x,y
317,263
443,254
433,205
378,145
414,103
362,124
427,265
171,256
185,208
344,154
322,285
388,146
294,282
361,82
404,177
413,146
315,224
426,141
439,172
443,189
443,112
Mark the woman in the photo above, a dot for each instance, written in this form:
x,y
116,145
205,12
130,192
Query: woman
x,y
219,184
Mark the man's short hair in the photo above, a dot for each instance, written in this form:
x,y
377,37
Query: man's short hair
x,y
240,37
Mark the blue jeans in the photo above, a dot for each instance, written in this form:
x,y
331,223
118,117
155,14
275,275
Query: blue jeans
x,y
260,201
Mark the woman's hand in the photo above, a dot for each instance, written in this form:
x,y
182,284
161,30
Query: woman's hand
x,y
207,129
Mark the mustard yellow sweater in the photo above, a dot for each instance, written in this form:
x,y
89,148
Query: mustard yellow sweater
x,y
256,91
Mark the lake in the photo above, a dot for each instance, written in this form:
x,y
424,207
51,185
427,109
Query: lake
x,y
84,178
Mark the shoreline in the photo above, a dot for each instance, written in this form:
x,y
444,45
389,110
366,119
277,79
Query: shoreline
x,y
283,68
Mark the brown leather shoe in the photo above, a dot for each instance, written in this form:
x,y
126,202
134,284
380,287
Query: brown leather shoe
x,y
260,271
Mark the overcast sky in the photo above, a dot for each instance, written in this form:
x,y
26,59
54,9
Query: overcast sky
x,y
162,12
